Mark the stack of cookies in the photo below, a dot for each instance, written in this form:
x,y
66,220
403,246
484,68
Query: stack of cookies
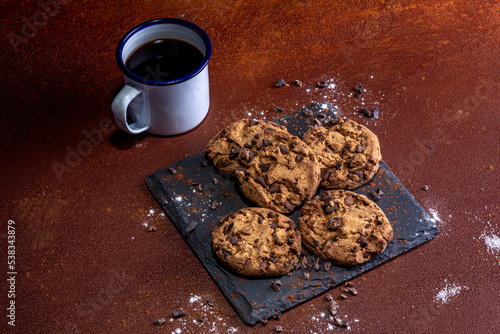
x,y
280,172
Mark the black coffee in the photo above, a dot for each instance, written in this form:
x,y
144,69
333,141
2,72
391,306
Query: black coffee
x,y
164,59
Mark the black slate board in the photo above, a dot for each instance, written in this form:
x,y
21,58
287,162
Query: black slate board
x,y
253,299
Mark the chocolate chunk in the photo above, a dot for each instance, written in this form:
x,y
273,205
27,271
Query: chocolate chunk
x,y
359,174
363,242
280,83
358,90
334,223
308,113
201,320
272,259
375,113
152,229
159,322
226,254
221,163
352,291
359,149
338,165
334,307
425,188
322,84
279,329
210,302
284,149
291,241
339,322
325,173
260,220
190,228
274,188
264,167
270,214
289,206
349,201
327,265
178,313
317,264
260,180
272,225
376,197
297,83
263,266
331,208
232,240
196,185
235,152
227,228
367,112
303,261
316,243
299,157
266,143
275,287
278,109
172,170
292,225
247,155
253,122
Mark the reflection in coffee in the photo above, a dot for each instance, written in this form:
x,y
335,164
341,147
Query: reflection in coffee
x,y
164,59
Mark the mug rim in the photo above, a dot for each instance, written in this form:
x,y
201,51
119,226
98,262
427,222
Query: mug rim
x,y
144,25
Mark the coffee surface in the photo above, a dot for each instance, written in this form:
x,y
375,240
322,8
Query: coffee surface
x,y
164,59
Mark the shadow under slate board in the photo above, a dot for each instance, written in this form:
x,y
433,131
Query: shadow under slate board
x,y
192,190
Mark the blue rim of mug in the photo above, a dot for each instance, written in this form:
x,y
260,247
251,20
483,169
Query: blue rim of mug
x,y
147,24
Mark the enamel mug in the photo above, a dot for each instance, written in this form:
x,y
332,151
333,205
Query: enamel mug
x,y
156,103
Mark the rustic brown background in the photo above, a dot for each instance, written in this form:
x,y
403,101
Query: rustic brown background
x,y
84,258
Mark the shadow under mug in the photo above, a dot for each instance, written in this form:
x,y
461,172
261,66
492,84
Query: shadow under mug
x,y
162,107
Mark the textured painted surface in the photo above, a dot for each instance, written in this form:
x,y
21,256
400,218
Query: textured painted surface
x,y
74,184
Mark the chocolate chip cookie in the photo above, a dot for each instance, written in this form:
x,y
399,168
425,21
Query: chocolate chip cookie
x,y
274,168
257,242
348,153
344,227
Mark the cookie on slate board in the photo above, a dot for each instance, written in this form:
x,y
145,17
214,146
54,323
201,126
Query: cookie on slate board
x,y
257,242
348,153
344,227
274,168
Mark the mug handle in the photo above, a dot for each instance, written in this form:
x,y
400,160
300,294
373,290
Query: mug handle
x,y
120,105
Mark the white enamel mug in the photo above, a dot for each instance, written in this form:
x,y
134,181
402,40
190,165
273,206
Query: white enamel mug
x,y
162,107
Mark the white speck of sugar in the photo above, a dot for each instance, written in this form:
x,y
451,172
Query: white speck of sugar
x,y
492,241
450,290
178,198
194,299
434,215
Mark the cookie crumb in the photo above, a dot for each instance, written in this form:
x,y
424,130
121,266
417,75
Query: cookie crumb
x,y
358,91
